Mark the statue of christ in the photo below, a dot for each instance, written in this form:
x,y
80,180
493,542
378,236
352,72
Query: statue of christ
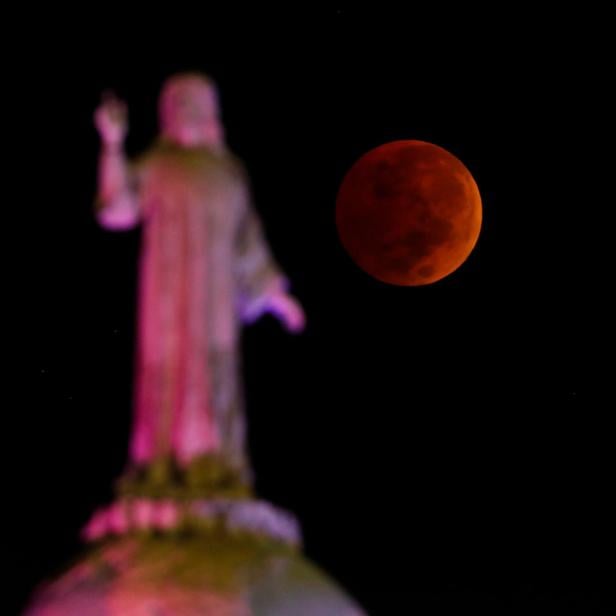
x,y
205,268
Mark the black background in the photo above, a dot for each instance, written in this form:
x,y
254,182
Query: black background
x,y
446,447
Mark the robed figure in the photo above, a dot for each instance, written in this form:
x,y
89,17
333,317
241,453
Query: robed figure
x,y
181,538
205,268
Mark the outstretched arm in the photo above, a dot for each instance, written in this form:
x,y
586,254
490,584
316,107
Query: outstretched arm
x,y
262,285
116,201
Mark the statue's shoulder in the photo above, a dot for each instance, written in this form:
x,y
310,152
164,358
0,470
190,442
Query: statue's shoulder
x,y
142,161
149,160
234,159
237,166
156,150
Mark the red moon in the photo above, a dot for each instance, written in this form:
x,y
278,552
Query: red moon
x,y
408,213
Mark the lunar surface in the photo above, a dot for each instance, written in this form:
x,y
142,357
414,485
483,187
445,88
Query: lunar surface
x,y
408,213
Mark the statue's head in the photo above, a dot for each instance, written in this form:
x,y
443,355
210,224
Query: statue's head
x,y
189,111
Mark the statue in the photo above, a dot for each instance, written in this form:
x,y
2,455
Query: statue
x,y
205,268
186,536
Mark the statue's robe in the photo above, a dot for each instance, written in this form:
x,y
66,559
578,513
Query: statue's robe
x,y
204,268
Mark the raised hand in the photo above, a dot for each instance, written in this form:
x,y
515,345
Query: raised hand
x,y
288,310
111,120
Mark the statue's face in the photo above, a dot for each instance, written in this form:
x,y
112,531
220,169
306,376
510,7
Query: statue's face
x,y
189,112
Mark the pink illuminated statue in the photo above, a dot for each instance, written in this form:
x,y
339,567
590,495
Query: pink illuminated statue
x,y
205,268
186,535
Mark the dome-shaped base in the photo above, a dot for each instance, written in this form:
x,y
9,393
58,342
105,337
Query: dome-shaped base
x,y
214,574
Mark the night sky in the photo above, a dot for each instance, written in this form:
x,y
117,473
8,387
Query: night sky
x,y
445,447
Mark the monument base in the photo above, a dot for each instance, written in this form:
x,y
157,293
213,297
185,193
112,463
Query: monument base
x,y
191,517
214,573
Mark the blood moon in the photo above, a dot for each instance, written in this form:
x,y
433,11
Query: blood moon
x,y
408,213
